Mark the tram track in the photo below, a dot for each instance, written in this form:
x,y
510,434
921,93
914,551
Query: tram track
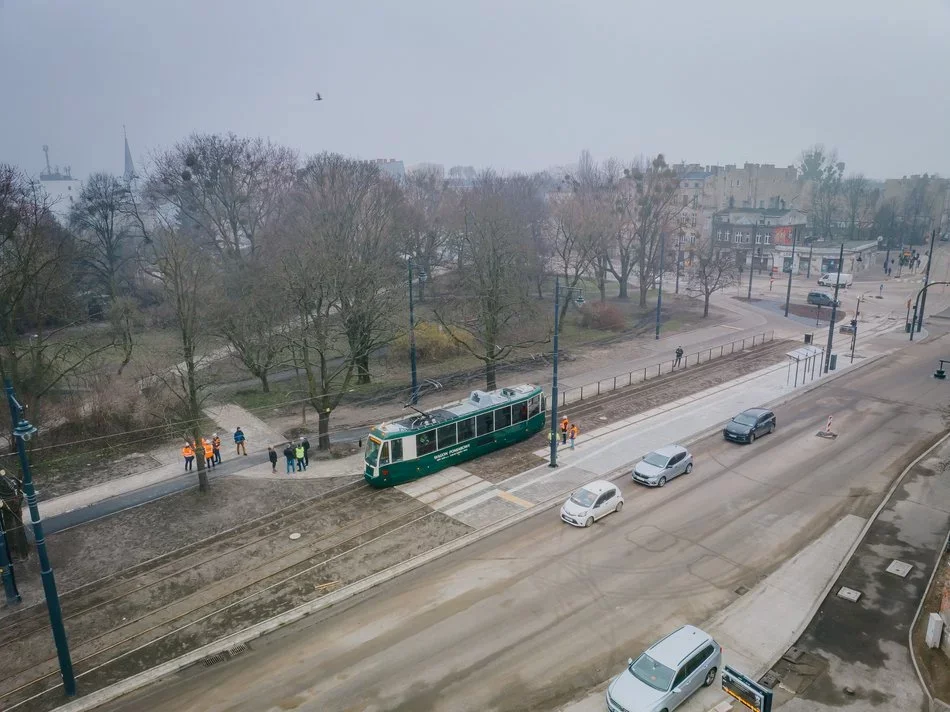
x,y
300,574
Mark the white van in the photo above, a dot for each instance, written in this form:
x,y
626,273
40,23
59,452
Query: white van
x,y
829,278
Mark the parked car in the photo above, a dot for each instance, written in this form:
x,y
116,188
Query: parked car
x,y
661,466
822,299
591,502
749,425
828,279
667,673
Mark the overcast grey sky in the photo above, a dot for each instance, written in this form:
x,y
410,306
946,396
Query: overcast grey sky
x,y
506,83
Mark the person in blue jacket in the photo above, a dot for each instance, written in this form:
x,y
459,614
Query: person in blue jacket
x,y
240,442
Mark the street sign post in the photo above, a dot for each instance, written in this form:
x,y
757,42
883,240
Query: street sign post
x,y
751,694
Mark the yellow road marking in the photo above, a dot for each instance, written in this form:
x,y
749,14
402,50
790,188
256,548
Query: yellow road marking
x,y
515,499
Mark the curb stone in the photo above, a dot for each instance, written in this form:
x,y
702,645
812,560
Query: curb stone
x,y
140,680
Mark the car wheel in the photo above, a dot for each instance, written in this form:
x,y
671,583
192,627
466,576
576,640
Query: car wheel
x,y
619,506
751,438
772,428
588,522
689,468
710,677
661,482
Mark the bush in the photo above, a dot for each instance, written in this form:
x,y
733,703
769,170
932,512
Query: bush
x,y
601,315
433,343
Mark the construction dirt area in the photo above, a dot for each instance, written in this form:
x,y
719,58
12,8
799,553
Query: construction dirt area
x,y
151,583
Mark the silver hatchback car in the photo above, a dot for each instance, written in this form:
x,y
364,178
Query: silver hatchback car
x,y
667,673
661,466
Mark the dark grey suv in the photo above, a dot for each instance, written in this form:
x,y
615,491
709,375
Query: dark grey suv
x,y
749,425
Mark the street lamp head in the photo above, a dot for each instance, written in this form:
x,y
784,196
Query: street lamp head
x,y
24,430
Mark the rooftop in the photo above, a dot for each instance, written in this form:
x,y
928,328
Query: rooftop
x,y
478,400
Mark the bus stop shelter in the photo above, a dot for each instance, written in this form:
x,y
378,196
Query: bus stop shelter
x,y
805,358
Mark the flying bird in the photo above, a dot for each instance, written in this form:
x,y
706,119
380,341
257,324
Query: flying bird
x,y
319,97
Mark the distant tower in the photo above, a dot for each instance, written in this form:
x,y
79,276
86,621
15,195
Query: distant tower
x,y
129,173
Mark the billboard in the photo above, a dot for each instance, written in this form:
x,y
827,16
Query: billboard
x,y
751,694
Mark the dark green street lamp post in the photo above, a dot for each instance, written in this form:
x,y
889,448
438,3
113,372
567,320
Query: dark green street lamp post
x,y
22,432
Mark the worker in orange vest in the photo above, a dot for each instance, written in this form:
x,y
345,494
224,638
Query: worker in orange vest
x,y
564,428
188,452
575,431
209,452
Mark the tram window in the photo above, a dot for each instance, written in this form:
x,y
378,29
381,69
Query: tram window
x,y
384,454
425,443
519,412
484,422
502,417
534,406
466,429
447,436
396,446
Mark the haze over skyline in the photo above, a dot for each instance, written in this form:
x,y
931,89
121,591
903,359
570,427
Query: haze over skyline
x,y
515,86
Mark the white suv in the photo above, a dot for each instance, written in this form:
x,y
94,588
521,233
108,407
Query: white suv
x,y
664,676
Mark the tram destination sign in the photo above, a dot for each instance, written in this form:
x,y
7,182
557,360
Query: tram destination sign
x,y
751,694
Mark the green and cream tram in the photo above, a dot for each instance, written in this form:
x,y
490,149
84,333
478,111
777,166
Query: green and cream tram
x,y
425,442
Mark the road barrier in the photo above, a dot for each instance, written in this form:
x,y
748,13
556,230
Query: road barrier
x,y
623,380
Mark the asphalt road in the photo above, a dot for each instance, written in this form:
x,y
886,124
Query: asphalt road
x,y
535,615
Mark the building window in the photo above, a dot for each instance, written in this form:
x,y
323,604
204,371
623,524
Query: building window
x,y
758,239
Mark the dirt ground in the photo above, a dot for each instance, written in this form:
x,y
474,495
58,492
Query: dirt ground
x,y
934,664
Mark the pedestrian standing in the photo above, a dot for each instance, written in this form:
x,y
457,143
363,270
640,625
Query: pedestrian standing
x,y
306,449
679,356
216,447
240,441
208,451
188,452
880,291
565,424
289,455
272,456
575,431
299,453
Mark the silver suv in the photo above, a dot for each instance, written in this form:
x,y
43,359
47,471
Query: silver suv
x,y
664,676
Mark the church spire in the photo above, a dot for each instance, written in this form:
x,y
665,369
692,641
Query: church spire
x,y
129,167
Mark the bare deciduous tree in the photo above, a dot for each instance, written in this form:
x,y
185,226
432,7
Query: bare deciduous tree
x,y
492,301
227,189
711,269
855,189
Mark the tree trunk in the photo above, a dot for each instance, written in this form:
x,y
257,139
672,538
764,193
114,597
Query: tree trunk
x,y
362,369
265,384
644,288
323,430
706,306
623,289
203,485
14,529
490,376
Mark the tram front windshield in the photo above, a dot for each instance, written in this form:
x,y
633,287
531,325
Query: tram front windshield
x,y
372,451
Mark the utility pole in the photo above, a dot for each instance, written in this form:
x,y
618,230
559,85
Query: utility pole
x,y
791,266
22,432
811,248
557,304
678,248
923,299
6,565
414,396
659,293
751,269
834,311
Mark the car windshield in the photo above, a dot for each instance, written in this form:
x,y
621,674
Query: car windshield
x,y
744,419
656,459
649,671
372,451
583,497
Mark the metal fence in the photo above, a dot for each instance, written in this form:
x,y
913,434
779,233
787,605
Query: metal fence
x,y
622,380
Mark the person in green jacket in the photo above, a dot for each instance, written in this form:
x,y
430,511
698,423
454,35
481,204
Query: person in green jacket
x,y
299,453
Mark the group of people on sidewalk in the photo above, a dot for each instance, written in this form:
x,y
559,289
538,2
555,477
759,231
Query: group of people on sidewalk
x,y
569,431
298,455
211,449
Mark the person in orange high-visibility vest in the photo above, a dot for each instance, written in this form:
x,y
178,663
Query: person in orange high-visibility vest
x,y
209,453
575,431
188,452
565,425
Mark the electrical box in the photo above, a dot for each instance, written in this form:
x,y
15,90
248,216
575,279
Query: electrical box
x,y
934,630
